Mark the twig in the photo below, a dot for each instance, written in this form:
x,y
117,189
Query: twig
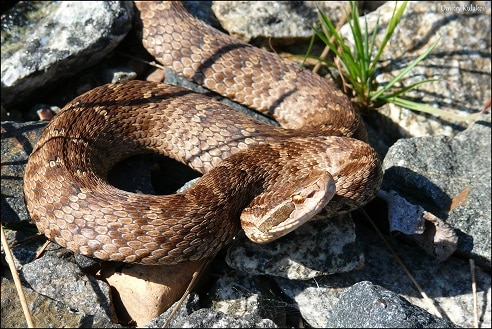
x,y
474,292
405,269
42,249
193,281
340,71
15,275
323,55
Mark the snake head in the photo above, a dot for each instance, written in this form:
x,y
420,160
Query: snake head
x,y
288,207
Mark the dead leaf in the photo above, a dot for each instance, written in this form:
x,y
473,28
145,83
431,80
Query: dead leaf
x,y
460,199
146,291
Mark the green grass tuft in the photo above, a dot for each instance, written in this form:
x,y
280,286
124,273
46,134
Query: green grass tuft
x,y
358,66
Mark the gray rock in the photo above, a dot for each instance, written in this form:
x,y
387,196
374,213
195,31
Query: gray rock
x,y
62,280
244,295
18,140
365,305
319,247
428,231
277,20
209,318
45,312
313,300
66,38
203,10
190,315
450,177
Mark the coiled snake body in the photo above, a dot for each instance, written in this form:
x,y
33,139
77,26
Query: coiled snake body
x,y
272,179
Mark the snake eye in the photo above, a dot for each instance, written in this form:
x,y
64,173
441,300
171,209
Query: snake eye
x,y
297,199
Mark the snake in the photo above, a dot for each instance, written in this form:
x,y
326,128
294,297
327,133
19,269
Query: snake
x,y
264,179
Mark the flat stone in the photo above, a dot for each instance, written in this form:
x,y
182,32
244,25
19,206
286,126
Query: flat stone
x,y
319,247
145,292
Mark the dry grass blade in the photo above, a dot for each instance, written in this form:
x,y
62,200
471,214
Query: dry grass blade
x,y
151,63
474,292
42,249
323,55
193,281
436,307
326,50
15,275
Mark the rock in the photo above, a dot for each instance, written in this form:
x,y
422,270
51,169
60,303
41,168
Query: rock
x,y
241,294
365,305
203,10
190,315
314,301
430,232
273,21
45,312
447,177
61,280
208,318
66,38
18,140
447,283
319,247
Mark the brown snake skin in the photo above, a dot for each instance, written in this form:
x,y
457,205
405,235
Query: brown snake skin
x,y
245,163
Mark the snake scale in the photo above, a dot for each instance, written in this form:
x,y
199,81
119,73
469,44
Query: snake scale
x,y
269,180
